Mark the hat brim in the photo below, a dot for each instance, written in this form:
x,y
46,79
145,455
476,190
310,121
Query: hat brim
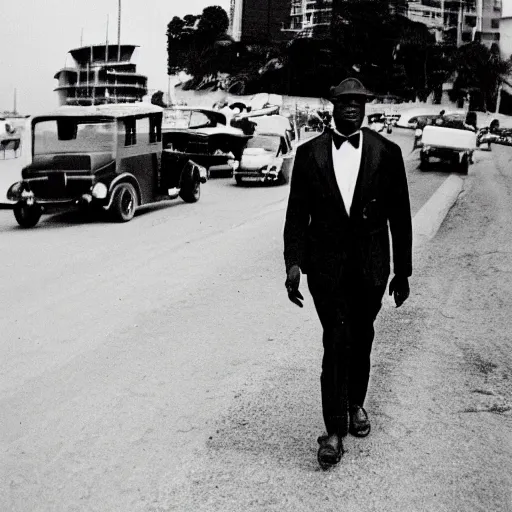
x,y
356,92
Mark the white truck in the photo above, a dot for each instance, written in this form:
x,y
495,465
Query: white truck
x,y
446,143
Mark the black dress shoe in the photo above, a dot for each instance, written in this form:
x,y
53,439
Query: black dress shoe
x,y
359,422
330,451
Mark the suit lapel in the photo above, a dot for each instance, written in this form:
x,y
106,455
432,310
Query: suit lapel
x,y
366,171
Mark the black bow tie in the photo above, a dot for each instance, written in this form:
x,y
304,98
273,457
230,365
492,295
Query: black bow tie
x,y
340,139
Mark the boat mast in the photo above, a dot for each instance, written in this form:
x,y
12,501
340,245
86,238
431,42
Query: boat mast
x,y
106,44
14,109
119,32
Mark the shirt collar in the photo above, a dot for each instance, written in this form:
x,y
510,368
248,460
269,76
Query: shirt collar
x,y
333,126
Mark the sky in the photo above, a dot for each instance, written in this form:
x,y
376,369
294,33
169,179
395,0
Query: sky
x,y
35,36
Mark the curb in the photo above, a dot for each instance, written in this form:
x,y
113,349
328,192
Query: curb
x,y
429,218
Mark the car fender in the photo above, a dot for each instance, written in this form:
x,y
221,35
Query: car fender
x,y
126,177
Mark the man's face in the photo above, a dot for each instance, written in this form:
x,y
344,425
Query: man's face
x,y
348,113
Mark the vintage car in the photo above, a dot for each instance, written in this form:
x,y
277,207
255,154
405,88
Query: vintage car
x,y
205,136
411,117
106,156
493,134
448,142
422,121
268,158
380,121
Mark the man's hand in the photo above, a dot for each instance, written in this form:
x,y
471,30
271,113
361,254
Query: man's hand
x,y
399,288
292,285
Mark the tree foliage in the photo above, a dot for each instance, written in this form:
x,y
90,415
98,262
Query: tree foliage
x,y
479,73
192,41
213,24
369,39
384,48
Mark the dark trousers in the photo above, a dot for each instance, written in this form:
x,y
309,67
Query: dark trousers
x,y
347,317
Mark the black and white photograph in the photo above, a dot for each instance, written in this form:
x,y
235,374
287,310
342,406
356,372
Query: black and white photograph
x,y
256,256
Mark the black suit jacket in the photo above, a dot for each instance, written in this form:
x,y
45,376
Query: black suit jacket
x,y
323,240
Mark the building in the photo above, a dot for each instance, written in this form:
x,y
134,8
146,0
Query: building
x,y
459,21
308,16
102,74
452,21
259,21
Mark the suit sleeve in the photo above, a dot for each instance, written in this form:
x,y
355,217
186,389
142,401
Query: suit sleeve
x,y
400,221
297,213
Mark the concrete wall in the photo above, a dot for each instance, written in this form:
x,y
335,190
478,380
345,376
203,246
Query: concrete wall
x,y
506,37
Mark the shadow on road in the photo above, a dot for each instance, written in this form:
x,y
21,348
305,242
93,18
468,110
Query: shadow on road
x,y
256,184
72,218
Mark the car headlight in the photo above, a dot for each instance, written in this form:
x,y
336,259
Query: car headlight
x,y
99,191
269,169
14,192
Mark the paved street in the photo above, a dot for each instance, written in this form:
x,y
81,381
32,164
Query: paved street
x,y
158,365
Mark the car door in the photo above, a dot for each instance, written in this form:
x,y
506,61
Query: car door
x,y
288,155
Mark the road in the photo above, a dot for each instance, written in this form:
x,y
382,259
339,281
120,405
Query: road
x,y
158,365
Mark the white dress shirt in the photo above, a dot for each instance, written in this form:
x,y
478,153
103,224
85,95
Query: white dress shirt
x,y
346,162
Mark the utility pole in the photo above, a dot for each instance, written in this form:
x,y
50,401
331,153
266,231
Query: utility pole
x,y
459,25
498,99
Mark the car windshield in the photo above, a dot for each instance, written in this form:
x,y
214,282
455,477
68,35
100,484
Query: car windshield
x,y
266,142
68,135
187,119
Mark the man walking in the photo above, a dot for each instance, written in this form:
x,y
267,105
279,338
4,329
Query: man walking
x,y
347,185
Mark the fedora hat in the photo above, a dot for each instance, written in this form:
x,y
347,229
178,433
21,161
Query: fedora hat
x,y
350,86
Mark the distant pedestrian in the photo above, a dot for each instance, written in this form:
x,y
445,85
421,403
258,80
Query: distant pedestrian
x,y
470,124
347,184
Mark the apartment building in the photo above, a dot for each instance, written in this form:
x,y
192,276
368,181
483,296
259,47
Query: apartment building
x,y
307,16
452,21
459,21
258,21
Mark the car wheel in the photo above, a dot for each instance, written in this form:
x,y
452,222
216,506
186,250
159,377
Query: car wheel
x,y
424,161
464,165
27,216
191,192
125,202
238,180
489,146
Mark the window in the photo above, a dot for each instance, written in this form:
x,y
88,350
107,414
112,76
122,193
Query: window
x,y
466,37
497,5
200,120
130,137
471,21
495,23
73,135
155,130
